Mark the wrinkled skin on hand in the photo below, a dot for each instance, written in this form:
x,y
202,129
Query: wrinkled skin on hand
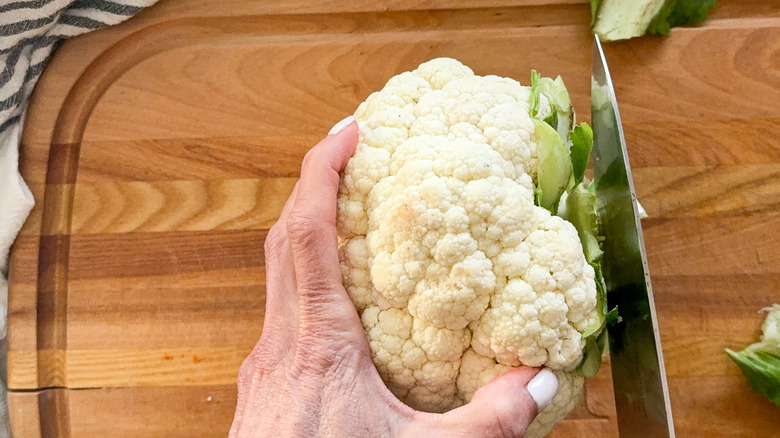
x,y
311,372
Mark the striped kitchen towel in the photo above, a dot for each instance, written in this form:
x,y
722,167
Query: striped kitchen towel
x,y
29,32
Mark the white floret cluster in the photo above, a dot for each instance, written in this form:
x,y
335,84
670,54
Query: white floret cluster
x,y
457,274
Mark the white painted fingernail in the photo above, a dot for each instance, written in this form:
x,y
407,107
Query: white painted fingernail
x,y
543,388
338,127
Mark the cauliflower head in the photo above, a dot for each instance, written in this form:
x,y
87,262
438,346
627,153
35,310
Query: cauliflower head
x,y
457,274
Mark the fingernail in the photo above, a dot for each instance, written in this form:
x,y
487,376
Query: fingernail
x,y
543,388
338,127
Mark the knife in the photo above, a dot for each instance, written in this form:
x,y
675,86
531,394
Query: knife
x,y
638,374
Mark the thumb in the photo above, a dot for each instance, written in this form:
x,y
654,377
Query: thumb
x,y
507,405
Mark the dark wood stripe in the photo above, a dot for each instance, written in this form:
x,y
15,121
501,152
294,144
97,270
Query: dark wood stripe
x,y
725,294
196,158
170,412
664,143
63,163
149,254
53,413
713,245
52,307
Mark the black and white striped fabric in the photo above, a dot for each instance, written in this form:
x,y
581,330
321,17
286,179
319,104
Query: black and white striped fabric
x,y
30,30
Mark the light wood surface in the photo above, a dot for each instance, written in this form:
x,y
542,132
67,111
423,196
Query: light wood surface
x,y
160,151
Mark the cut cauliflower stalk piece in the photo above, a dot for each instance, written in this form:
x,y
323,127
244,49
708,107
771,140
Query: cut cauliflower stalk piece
x,y
457,274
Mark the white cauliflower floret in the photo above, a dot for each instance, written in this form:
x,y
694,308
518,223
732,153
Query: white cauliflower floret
x,y
477,371
354,268
457,274
419,362
457,299
534,319
570,389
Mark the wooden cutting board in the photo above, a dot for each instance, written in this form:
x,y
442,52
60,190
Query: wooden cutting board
x,y
161,150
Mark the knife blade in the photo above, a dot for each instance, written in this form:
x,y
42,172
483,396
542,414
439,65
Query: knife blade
x,y
638,374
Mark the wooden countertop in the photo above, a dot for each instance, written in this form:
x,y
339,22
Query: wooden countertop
x,y
161,150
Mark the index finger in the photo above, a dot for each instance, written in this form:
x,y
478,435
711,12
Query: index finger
x,y
311,224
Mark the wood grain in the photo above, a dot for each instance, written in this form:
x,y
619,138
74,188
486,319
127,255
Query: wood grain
x,y
273,111
74,368
190,411
721,245
161,150
193,411
726,406
194,205
673,192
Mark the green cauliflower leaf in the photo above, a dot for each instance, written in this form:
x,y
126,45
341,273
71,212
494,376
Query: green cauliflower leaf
x,y
760,362
615,20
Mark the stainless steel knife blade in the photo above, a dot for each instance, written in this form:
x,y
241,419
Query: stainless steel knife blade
x,y
638,374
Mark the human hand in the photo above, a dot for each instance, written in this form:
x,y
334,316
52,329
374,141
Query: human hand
x,y
311,373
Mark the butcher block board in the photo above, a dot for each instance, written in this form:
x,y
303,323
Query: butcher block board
x,y
161,150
